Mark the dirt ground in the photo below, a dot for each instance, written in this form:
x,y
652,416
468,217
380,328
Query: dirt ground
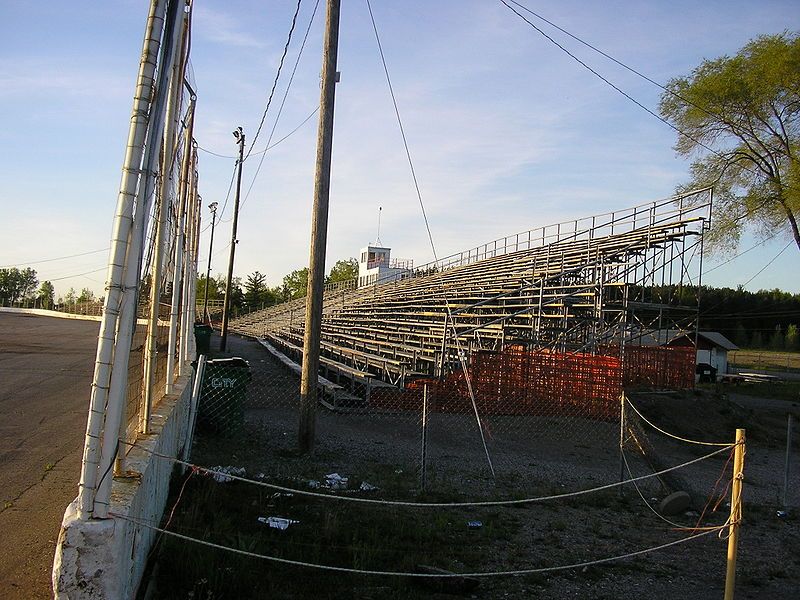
x,y
532,457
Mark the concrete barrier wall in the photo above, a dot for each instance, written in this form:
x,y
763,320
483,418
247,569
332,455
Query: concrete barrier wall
x,y
105,558
49,313
43,312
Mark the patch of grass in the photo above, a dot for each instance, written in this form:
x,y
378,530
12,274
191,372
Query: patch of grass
x,y
784,390
364,537
765,360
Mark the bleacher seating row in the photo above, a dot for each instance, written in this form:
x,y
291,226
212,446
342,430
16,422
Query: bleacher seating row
x,y
567,292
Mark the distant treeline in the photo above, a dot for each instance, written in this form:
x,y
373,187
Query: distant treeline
x,y
766,319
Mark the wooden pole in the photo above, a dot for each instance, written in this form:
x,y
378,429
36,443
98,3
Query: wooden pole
x,y
736,514
226,308
319,233
213,207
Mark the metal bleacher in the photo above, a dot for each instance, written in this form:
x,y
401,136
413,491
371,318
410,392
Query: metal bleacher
x,y
570,286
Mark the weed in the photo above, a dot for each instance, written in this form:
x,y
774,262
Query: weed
x,y
47,468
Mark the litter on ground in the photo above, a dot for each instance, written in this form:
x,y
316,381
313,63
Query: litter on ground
x,y
277,522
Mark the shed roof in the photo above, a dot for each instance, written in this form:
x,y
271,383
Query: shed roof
x,y
665,336
718,339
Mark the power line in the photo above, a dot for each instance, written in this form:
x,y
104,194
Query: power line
x,y
78,274
283,103
620,90
227,196
734,257
212,153
45,260
271,146
598,75
275,82
768,264
774,258
631,69
766,316
449,312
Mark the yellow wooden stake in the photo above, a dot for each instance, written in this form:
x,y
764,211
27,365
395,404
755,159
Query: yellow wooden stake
x,y
736,514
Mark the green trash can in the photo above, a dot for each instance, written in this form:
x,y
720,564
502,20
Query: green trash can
x,y
202,337
223,395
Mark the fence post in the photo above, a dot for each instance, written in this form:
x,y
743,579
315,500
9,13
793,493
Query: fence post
x,y
193,404
736,514
621,439
789,419
424,458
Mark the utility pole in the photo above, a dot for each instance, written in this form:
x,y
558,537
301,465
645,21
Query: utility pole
x,y
319,233
213,208
239,135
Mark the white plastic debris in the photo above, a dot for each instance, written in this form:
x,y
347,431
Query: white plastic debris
x,y
368,487
278,522
335,481
282,495
314,484
221,474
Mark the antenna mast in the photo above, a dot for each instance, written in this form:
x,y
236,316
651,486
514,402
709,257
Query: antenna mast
x,y
378,238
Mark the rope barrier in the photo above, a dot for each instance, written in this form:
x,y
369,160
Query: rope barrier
x,y
672,435
675,525
428,504
638,491
298,563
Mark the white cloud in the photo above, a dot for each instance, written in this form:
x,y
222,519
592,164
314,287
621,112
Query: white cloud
x,y
57,80
223,28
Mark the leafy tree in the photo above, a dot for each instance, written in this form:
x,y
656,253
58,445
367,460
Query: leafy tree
x,y
255,289
745,108
17,284
257,294
757,341
343,270
740,337
216,287
87,295
46,295
295,284
792,338
237,295
776,342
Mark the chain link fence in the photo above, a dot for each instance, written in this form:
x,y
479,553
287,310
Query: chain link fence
x,y
526,419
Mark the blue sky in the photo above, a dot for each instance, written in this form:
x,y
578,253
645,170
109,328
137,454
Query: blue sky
x,y
507,132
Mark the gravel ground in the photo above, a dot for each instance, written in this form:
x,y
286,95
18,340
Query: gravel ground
x,y
535,456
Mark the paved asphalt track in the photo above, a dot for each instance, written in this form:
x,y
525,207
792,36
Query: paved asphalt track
x,y
46,366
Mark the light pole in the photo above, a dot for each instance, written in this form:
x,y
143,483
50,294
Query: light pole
x,y
213,208
239,135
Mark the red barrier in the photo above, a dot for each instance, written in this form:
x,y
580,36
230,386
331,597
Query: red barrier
x,y
540,382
